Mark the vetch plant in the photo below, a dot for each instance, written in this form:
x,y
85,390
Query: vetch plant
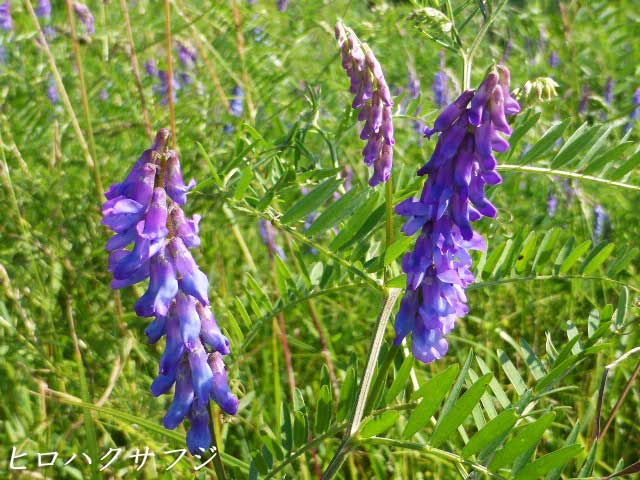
x,y
146,210
372,99
439,268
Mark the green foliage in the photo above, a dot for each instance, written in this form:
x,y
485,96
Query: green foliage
x,y
536,370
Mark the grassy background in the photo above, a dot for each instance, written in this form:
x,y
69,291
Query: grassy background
x,y
59,323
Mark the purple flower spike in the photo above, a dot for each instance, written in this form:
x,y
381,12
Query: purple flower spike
x,y
373,99
145,210
463,163
85,16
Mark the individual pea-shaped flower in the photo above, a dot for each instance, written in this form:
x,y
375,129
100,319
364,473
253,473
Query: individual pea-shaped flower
x,y
163,287
192,280
221,392
372,99
174,182
462,164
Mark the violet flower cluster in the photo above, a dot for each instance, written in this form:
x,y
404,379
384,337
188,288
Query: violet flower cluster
x,y
146,210
439,268
372,99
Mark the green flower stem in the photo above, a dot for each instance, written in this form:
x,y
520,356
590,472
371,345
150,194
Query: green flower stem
x,y
217,458
358,411
381,377
567,174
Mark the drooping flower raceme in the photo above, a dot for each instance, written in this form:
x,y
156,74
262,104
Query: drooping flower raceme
x,y
439,268
372,99
146,210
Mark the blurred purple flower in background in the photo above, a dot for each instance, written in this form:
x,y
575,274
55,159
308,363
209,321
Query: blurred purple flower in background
x,y
372,99
441,84
608,91
584,101
52,91
85,16
140,210
554,59
188,55
151,67
439,268
552,203
268,234
44,9
6,21
283,5
601,223
635,115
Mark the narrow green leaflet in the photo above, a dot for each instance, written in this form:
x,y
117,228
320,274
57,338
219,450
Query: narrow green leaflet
x,y
347,395
596,258
338,211
576,143
433,392
496,428
525,438
401,379
324,408
574,256
310,202
545,143
460,411
512,373
548,462
377,425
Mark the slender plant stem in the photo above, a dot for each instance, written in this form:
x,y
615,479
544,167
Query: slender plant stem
x,y
380,378
567,174
620,401
217,455
170,93
124,6
358,412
